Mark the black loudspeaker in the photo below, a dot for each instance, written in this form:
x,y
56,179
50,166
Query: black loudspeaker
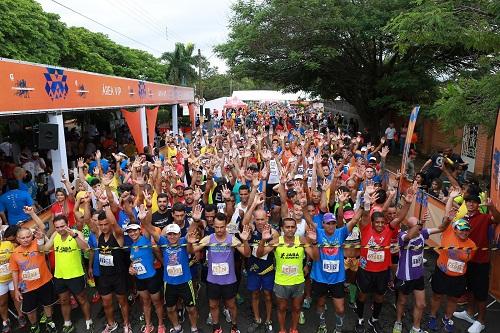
x,y
208,114
179,111
48,136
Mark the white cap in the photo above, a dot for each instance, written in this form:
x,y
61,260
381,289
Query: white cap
x,y
172,228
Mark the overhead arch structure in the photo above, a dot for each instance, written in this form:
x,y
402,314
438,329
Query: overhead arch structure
x,y
27,88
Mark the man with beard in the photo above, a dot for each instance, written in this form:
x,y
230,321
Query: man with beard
x,y
163,216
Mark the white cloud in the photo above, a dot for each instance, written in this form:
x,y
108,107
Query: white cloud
x,y
158,24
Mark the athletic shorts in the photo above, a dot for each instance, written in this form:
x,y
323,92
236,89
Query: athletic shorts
x,y
351,264
372,282
443,284
108,284
42,296
218,291
74,285
260,282
152,284
6,287
185,291
287,292
335,290
478,280
407,287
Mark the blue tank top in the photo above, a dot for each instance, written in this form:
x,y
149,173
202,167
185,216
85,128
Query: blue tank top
x,y
329,268
175,262
143,258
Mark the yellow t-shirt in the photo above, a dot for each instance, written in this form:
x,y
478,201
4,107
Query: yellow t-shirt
x,y
6,248
68,258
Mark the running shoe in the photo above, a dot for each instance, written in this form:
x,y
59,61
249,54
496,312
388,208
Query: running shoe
x,y
322,329
127,328
417,331
43,319
35,328
353,305
91,283
268,327
302,318
398,327
375,325
50,327
359,328
476,327
68,329
90,327
464,315
432,324
227,314
110,328
217,329
161,329
449,326
6,326
307,303
147,329
234,329
173,330
209,319
254,326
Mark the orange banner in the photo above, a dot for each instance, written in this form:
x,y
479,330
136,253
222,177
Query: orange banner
x,y
409,133
133,120
495,196
151,115
33,87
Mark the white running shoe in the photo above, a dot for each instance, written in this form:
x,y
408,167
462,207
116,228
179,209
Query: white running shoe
x,y
476,327
464,316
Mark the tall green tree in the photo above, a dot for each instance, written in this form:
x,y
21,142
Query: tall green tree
x,y
180,64
28,33
470,88
379,55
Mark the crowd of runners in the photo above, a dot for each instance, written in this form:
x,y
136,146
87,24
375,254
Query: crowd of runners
x,y
293,206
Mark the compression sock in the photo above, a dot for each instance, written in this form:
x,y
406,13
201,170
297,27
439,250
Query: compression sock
x,y
377,308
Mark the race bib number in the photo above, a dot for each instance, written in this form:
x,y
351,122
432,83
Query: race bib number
x,y
31,274
221,207
290,270
4,269
455,266
106,260
254,253
221,268
331,266
232,228
417,260
139,268
375,256
174,270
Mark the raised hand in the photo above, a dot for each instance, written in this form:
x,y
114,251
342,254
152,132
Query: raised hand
x,y
197,194
157,162
245,234
267,234
28,210
63,176
311,233
325,185
197,211
143,211
343,196
147,197
80,162
98,154
226,193
383,153
264,173
455,192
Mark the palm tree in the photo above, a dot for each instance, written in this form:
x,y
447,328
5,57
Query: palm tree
x,y
181,64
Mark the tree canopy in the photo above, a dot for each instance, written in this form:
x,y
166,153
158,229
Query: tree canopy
x,y
369,52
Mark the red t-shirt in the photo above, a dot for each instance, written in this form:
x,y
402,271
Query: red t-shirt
x,y
372,260
60,209
479,234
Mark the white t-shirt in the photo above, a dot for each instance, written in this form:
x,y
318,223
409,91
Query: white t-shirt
x,y
274,172
389,133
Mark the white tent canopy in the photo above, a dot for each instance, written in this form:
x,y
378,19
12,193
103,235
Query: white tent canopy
x,y
269,95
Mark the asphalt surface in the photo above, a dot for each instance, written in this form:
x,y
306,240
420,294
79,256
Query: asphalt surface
x,y
387,317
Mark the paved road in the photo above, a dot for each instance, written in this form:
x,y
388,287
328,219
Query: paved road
x,y
245,314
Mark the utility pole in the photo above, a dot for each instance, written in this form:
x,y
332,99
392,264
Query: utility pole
x,y
199,91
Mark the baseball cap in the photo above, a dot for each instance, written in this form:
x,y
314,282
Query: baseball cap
x,y
290,193
372,159
133,226
329,217
364,148
461,225
348,214
180,184
298,176
172,228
